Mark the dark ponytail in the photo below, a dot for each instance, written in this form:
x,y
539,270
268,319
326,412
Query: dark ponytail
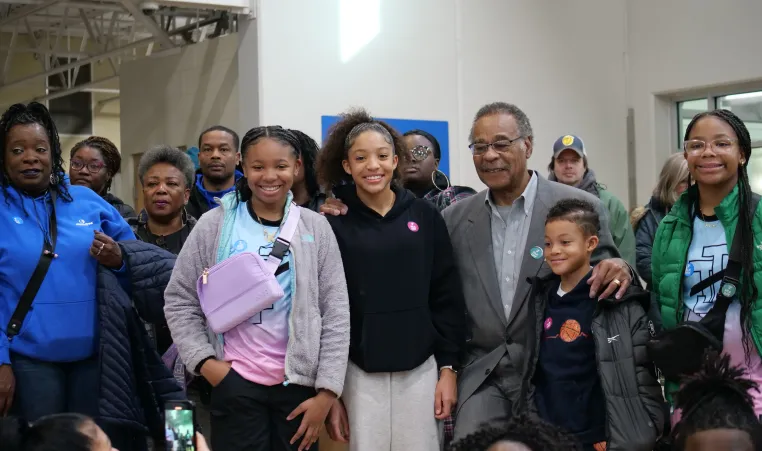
x,y
61,432
274,132
748,293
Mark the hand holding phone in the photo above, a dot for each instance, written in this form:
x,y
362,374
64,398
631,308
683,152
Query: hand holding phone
x,y
180,426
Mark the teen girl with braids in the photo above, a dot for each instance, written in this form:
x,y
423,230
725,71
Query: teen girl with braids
x,y
93,163
276,375
692,242
406,301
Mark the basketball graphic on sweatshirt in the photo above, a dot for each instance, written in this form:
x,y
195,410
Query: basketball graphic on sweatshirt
x,y
569,331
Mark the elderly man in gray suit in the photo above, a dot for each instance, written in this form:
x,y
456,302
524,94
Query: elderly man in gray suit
x,y
498,236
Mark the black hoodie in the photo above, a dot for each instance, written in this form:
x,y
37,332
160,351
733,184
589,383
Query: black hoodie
x,y
405,297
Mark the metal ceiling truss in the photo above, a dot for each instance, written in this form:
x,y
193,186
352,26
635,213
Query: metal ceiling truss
x,y
65,36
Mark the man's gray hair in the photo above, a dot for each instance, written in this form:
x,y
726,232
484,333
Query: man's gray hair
x,y
359,129
170,155
525,128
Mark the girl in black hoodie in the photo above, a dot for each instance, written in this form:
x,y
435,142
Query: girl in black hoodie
x,y
406,303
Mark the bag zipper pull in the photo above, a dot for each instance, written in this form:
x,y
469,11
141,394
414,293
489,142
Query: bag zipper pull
x,y
204,276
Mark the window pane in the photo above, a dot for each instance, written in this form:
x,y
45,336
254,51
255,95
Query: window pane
x,y
685,112
754,169
747,106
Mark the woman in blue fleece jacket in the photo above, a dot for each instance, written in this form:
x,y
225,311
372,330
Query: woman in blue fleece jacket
x,y
50,366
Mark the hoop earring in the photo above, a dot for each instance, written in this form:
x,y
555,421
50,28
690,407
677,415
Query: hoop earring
x,y
434,179
53,179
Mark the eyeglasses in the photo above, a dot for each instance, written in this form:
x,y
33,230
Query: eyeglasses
x,y
419,153
720,145
92,167
501,146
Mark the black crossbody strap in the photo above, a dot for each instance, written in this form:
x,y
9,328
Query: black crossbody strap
x,y
731,275
33,286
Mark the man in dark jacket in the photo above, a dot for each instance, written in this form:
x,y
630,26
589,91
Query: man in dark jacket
x,y
136,381
218,157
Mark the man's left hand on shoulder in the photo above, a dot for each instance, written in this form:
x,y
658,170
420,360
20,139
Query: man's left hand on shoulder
x,y
613,274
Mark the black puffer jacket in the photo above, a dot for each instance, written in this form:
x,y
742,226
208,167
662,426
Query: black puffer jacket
x,y
134,381
634,401
645,232
125,210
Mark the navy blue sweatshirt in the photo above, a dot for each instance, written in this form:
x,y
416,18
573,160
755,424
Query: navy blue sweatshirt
x,y
568,389
405,297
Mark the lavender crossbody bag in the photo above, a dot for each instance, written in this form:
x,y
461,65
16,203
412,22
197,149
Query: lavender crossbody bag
x,y
241,286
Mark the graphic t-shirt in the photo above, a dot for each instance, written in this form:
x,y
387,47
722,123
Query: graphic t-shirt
x,y
707,255
257,348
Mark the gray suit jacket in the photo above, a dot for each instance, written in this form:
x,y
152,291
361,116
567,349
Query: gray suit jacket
x,y
490,335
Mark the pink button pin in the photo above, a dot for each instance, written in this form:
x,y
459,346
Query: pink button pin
x,y
548,323
412,226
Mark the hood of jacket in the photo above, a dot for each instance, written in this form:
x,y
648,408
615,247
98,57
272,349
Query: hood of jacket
x,y
588,183
348,195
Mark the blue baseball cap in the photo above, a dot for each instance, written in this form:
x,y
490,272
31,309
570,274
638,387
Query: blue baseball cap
x,y
569,142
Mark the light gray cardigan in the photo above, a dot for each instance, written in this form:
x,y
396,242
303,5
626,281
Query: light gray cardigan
x,y
318,343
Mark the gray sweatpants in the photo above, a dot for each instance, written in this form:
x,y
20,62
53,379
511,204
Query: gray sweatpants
x,y
392,411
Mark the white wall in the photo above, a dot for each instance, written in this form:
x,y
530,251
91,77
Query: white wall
x,y
678,49
171,99
562,62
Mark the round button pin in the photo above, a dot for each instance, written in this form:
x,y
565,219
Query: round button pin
x,y
536,252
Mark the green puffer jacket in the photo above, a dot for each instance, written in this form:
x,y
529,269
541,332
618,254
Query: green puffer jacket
x,y
670,252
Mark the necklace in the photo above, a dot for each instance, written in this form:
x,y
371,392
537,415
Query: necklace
x,y
269,237
707,224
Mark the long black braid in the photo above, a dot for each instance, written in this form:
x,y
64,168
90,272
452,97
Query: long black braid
x,y
33,113
308,150
535,434
716,397
748,292
108,151
274,132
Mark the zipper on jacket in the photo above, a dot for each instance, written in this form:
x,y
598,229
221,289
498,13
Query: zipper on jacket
x,y
205,276
600,378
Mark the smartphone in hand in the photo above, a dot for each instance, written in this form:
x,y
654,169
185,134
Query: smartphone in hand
x,y
180,425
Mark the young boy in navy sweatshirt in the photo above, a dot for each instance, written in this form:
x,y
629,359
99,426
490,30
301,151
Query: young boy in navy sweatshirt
x,y
589,372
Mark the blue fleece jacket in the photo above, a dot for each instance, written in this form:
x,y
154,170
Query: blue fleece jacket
x,y
61,325
210,195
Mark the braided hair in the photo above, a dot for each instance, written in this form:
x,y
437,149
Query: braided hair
x,y
34,113
535,434
308,149
748,292
342,136
108,151
274,132
716,397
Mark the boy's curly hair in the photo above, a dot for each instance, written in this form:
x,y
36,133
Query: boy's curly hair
x,y
532,432
716,397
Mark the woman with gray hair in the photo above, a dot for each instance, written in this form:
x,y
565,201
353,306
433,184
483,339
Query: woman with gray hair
x,y
166,174
673,181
